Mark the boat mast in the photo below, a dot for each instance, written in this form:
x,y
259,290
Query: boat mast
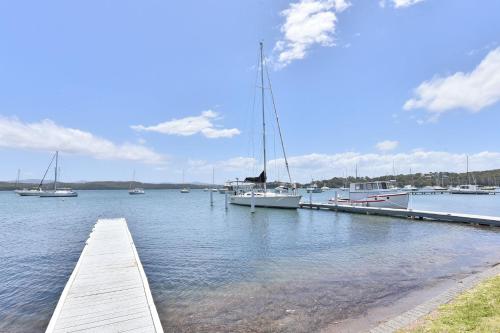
x,y
263,113
17,180
55,171
468,180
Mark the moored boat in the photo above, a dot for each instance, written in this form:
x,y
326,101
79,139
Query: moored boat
x,y
65,192
375,194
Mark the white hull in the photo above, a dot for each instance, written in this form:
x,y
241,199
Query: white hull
x,y
270,200
398,200
58,194
28,193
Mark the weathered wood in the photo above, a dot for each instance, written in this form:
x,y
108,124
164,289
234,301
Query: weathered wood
x,y
108,290
409,213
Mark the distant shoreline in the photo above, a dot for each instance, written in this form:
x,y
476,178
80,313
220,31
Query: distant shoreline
x,y
9,186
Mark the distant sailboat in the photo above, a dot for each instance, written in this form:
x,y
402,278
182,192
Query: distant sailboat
x,y
58,192
264,198
35,192
136,190
185,189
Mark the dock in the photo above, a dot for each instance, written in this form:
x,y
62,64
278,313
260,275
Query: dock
x,y
108,290
408,213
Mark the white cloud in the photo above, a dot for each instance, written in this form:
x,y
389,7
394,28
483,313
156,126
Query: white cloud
x,y
399,3
307,23
472,91
323,166
48,136
387,145
191,125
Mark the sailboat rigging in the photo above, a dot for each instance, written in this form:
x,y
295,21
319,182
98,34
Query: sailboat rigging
x,y
264,198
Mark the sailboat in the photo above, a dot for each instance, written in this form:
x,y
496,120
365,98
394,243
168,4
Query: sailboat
x,y
25,192
264,198
58,192
468,188
136,190
185,189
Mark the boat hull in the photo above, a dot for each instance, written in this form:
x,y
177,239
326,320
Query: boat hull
x,y
267,201
29,193
58,195
393,200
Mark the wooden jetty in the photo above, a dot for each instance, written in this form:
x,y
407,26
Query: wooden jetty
x,y
408,213
108,290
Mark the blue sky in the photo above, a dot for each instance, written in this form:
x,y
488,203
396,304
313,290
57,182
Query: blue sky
x,y
161,86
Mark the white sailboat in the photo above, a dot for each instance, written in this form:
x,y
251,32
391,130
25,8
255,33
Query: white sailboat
x,y
185,189
136,190
264,198
58,192
468,188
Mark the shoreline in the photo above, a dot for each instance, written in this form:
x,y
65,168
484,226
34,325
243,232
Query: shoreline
x,y
414,306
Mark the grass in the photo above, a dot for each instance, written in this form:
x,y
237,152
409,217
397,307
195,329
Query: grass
x,y
477,310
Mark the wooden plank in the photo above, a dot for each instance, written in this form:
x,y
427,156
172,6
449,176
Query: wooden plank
x,y
108,290
409,213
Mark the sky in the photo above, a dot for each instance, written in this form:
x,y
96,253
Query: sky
x,y
165,87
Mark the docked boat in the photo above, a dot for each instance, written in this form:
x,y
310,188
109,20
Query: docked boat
x,y
375,194
469,189
325,188
262,197
313,189
409,188
65,192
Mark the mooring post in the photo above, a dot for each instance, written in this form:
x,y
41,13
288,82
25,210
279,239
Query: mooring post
x,y
211,197
336,202
225,200
310,198
252,204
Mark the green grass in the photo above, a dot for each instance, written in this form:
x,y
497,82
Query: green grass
x,y
477,310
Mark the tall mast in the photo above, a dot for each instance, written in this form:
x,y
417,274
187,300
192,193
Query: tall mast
x,y
55,171
263,112
468,181
18,175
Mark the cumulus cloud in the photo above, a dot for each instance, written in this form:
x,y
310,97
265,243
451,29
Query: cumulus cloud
x,y
472,91
188,126
387,145
307,23
400,3
324,166
46,135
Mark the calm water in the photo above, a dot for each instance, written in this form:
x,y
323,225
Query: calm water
x,y
212,270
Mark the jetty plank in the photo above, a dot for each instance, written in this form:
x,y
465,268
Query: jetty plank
x,y
108,290
408,213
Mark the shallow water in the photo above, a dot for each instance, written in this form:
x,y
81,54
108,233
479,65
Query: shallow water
x,y
212,270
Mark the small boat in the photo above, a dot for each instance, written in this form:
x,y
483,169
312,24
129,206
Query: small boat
x,y
65,192
375,194
215,190
313,189
185,189
205,189
262,197
137,190
469,189
325,188
409,188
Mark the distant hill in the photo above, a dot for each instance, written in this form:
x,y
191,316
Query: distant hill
x,y
487,177
100,185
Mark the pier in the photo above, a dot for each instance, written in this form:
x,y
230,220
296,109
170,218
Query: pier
x,y
108,290
408,213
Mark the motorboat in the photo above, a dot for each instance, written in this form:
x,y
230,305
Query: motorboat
x,y
375,194
469,189
314,189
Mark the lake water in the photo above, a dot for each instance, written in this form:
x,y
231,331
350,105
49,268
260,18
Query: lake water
x,y
212,270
